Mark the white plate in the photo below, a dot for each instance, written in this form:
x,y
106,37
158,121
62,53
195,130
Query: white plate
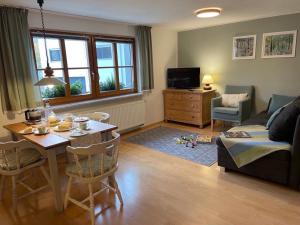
x,y
23,132
78,134
59,130
36,132
81,119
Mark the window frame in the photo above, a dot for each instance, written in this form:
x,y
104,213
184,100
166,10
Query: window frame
x,y
91,38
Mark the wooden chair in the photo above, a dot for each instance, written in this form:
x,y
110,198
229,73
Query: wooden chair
x,y
93,164
98,116
17,157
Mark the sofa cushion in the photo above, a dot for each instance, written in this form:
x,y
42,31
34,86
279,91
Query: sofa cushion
x,y
279,101
274,115
226,110
283,126
232,100
258,119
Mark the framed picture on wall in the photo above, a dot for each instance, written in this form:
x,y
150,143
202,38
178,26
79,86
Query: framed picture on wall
x,y
244,47
279,44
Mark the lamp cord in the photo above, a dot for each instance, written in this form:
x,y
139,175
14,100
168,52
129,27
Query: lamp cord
x,y
44,33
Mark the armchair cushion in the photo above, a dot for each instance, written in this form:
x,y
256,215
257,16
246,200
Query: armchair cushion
x,y
226,110
232,100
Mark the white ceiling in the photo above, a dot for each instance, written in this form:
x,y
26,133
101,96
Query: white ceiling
x,y
177,14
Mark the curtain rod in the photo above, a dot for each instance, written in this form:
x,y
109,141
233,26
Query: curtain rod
x,y
17,7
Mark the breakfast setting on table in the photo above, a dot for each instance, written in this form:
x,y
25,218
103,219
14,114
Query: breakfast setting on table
x,y
74,126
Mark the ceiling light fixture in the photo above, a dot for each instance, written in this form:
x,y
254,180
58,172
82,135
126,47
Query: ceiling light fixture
x,y
49,78
208,12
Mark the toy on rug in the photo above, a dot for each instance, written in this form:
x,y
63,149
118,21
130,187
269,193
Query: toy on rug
x,y
193,140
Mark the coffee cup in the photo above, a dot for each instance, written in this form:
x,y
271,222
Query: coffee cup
x,y
41,129
83,125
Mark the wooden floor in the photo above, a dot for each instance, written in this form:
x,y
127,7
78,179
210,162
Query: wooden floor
x,y
159,189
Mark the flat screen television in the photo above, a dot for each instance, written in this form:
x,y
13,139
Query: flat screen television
x,y
183,78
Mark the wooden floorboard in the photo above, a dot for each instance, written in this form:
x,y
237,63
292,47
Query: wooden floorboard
x,y
159,189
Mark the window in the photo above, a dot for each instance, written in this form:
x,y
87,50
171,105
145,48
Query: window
x,y
104,52
55,55
92,66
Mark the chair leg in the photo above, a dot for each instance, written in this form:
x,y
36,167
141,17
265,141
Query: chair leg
x,y
2,184
118,192
212,125
14,192
68,192
45,174
92,206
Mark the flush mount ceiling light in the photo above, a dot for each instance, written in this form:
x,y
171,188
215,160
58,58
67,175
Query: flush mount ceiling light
x,y
208,12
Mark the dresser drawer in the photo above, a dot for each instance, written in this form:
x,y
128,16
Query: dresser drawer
x,y
183,96
182,116
189,106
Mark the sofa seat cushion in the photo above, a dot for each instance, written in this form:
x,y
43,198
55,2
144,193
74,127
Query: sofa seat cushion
x,y
226,110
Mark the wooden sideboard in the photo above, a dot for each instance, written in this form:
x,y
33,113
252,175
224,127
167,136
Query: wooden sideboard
x,y
188,106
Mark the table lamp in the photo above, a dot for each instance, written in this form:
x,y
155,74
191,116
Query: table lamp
x,y
207,80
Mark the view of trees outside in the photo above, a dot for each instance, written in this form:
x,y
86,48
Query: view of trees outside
x,y
105,58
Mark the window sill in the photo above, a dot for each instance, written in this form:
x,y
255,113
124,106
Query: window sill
x,y
75,105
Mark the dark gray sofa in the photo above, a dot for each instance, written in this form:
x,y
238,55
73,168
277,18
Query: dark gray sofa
x,y
281,167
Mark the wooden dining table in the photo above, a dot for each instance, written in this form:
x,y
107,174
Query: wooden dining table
x,y
50,143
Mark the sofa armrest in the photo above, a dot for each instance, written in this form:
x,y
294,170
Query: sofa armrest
x,y
245,108
216,102
295,158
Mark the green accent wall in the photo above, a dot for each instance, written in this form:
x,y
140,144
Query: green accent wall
x,y
211,49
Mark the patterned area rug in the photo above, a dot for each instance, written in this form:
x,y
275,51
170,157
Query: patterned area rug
x,y
163,139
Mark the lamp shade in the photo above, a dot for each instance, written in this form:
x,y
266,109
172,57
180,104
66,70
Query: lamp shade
x,y
49,81
207,79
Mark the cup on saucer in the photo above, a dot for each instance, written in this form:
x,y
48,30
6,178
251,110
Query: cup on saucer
x,y
83,125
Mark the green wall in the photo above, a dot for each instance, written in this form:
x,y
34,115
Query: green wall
x,y
211,49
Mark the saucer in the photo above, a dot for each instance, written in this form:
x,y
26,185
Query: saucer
x,y
78,134
36,132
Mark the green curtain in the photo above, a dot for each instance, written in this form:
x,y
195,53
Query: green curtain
x,y
16,61
143,34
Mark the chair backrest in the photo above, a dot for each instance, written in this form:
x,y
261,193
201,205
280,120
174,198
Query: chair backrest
x,y
97,159
232,89
10,152
98,116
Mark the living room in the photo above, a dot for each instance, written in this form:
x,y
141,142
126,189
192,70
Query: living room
x,y
137,112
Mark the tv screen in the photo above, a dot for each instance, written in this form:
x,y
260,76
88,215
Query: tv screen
x,y
183,78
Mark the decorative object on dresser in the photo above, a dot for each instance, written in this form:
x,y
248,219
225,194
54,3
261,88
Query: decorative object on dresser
x,y
188,106
207,80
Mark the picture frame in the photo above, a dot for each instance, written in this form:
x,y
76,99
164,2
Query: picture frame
x,y
244,47
279,44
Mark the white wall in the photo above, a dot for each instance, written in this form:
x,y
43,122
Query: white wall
x,y
164,44
164,56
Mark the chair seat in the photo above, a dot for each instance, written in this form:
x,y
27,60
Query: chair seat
x,y
73,169
226,110
27,157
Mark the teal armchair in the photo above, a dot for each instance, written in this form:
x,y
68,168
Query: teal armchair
x,y
236,115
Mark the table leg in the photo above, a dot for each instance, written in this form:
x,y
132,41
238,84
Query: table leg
x,y
56,185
